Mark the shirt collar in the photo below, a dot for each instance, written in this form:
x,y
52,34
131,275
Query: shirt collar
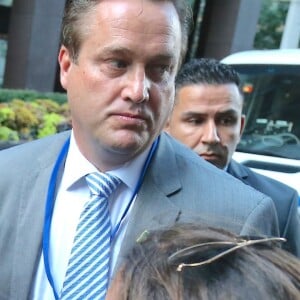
x,y
77,166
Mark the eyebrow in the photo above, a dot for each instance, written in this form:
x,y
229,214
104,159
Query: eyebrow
x,y
189,114
227,112
116,50
167,56
203,114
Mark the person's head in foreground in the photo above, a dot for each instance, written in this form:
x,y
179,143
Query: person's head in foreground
x,y
207,115
194,262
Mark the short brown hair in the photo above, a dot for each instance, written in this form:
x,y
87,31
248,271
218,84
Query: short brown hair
x,y
75,10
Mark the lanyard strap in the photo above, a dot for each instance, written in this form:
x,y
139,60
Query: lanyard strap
x,y
49,211
137,187
50,204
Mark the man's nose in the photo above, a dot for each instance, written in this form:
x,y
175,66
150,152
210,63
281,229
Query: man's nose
x,y
137,86
210,134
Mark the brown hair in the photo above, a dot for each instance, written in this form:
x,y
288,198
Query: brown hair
x,y
76,10
262,271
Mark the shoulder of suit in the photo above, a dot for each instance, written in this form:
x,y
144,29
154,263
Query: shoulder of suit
x,y
192,160
264,179
29,152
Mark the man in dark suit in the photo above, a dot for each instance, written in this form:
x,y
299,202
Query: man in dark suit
x,y
118,62
208,118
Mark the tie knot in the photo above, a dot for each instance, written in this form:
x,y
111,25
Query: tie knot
x,y
102,184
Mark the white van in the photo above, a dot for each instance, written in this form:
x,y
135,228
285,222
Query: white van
x,y
271,140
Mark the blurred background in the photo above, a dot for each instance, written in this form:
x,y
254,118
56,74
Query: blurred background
x,y
30,29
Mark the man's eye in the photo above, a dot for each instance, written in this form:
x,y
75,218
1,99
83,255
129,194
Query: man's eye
x,y
228,121
194,121
113,67
163,68
158,72
118,64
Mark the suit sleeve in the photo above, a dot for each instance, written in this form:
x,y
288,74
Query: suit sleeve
x,y
292,233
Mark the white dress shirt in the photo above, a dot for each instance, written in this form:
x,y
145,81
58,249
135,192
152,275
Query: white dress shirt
x,y
72,193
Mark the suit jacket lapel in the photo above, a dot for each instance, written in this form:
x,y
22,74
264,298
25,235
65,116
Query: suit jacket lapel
x,y
29,232
237,171
152,207
30,222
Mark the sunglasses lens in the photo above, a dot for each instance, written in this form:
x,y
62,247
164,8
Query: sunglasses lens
x,y
199,253
206,253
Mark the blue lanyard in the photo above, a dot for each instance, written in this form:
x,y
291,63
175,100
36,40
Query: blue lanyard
x,y
50,204
137,187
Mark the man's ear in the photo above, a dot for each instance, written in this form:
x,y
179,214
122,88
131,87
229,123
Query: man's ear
x,y
65,63
168,122
167,126
243,123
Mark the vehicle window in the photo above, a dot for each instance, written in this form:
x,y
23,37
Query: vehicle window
x,y
272,107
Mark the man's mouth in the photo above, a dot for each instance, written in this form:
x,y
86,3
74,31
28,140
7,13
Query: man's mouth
x,y
210,155
132,116
130,119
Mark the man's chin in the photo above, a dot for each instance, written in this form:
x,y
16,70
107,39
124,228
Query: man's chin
x,y
130,142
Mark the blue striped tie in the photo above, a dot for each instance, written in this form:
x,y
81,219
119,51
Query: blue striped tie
x,y
88,269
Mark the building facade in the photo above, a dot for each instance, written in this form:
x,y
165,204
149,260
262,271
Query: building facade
x,y
32,31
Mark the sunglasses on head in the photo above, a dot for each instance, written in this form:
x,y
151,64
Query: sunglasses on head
x,y
211,251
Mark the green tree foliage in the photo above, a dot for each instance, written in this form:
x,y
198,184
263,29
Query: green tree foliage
x,y
271,24
49,125
6,95
29,120
7,134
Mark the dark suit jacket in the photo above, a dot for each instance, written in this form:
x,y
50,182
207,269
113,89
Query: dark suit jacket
x,y
285,200
178,187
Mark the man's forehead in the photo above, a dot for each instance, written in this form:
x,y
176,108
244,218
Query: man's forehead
x,y
137,8
212,93
136,20
208,105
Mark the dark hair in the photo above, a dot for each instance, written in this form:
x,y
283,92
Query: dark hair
x,y
262,271
206,71
76,10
